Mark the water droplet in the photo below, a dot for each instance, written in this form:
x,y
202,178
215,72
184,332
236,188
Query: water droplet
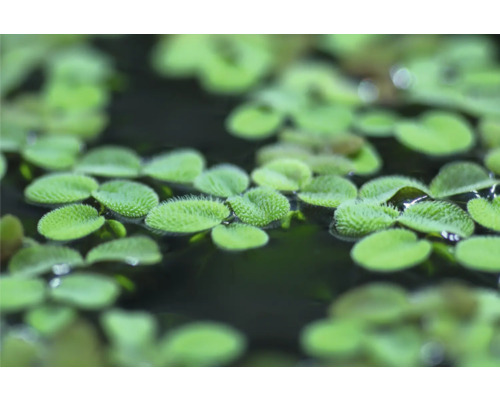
x,y
61,269
401,77
131,261
368,91
54,283
432,353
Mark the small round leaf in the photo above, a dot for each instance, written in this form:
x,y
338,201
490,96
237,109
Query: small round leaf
x,y
60,188
236,237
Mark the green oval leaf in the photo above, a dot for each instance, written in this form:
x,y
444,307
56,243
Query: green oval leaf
x,y
223,181
385,188
136,250
187,214
13,138
53,152
201,344
330,164
49,320
460,177
110,161
239,237
437,217
436,133
489,129
260,206
88,291
179,166
37,260
324,119
253,121
481,253
130,199
70,222
18,293
390,250
328,191
492,160
485,213
277,151
284,174
376,123
127,329
367,161
60,188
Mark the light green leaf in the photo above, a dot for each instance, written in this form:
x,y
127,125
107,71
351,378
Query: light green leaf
x,y
50,319
328,191
460,177
179,166
480,253
110,161
436,133
492,160
330,339
131,199
117,227
376,123
60,188
390,250
330,164
278,151
70,222
253,121
87,291
128,329
187,214
385,188
18,293
53,152
485,213
13,138
327,119
357,218
437,217
37,260
367,161
223,181
135,250
239,237
489,129
284,174
201,344
260,206
11,235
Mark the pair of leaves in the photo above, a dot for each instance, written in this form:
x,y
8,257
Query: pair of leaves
x,y
222,180
284,175
328,191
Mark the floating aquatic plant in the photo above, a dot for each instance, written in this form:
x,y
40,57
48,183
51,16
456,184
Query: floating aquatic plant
x,y
37,260
201,344
437,217
283,174
328,191
18,293
330,164
135,250
53,152
129,328
367,161
485,213
278,151
130,199
235,237
223,181
327,119
489,129
179,166
187,214
480,253
436,133
70,222
358,218
48,320
260,206
383,189
60,188
376,123
460,177
11,236
117,227
390,250
88,291
253,121
492,160
110,161
13,138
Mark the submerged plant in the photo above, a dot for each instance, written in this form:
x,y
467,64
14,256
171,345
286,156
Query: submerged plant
x,y
135,250
179,166
235,237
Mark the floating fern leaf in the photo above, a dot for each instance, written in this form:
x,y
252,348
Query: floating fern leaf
x,y
437,217
376,123
85,290
383,189
260,206
50,319
328,191
37,260
179,166
138,250
437,133
492,160
187,214
131,329
117,227
324,119
284,174
60,188
489,128
330,164
278,151
253,121
367,161
70,222
390,250
53,152
202,344
480,253
485,213
239,237
460,177
110,161
222,180
358,218
13,138
131,199
18,293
